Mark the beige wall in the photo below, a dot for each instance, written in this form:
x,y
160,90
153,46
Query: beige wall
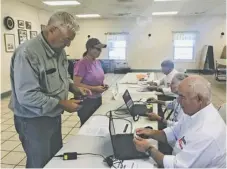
x,y
142,52
1,46
17,11
147,53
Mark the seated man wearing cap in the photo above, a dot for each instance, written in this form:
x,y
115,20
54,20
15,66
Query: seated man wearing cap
x,y
198,139
163,84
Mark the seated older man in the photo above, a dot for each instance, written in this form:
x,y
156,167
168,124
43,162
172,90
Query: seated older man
x,y
172,105
163,84
198,139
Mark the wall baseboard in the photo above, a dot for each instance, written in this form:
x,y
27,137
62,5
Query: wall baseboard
x,y
206,72
6,94
145,70
188,71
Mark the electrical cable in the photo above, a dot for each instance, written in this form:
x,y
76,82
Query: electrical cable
x,y
135,118
74,155
91,154
110,160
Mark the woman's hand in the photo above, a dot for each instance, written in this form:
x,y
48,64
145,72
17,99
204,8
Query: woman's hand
x,y
85,91
106,86
99,89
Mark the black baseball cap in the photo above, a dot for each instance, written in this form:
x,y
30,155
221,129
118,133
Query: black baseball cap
x,y
94,42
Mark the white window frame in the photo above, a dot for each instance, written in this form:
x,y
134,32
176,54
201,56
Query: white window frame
x,y
126,46
194,47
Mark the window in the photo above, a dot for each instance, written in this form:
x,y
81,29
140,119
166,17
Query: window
x,y
184,45
116,44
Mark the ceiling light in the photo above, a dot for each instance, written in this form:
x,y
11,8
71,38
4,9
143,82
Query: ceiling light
x,y
165,13
59,3
88,16
165,0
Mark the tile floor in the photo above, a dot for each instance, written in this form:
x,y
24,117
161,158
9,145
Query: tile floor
x,y
12,154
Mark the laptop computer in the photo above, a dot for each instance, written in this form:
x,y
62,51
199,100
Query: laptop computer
x,y
123,146
134,109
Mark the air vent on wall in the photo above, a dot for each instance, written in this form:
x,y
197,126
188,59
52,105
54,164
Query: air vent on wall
x,y
122,14
125,0
198,13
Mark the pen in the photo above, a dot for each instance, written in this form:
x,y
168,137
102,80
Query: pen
x,y
125,129
132,165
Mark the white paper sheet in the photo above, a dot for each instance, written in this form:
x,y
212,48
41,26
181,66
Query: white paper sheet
x,y
97,126
97,131
134,86
142,89
133,164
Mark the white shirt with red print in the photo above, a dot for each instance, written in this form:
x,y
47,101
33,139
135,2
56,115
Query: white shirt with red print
x,y
198,141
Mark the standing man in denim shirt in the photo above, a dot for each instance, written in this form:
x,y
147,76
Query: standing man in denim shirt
x,y
40,85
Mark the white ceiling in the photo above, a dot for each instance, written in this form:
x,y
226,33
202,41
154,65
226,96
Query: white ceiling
x,y
136,8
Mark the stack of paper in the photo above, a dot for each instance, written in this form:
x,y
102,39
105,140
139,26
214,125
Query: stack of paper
x,y
134,86
143,89
96,126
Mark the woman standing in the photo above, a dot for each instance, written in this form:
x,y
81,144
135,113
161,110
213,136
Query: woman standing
x,y
88,73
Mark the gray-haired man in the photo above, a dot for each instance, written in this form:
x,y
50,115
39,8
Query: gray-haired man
x,y
172,105
198,139
40,85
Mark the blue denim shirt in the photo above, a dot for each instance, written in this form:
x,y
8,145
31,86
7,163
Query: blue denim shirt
x,y
39,79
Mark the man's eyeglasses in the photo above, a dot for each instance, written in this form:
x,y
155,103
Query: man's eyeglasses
x,y
65,39
180,96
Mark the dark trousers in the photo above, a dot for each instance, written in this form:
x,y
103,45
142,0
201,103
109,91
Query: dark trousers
x,y
40,137
162,147
89,106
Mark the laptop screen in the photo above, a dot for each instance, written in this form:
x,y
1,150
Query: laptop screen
x,y
127,99
112,131
111,125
